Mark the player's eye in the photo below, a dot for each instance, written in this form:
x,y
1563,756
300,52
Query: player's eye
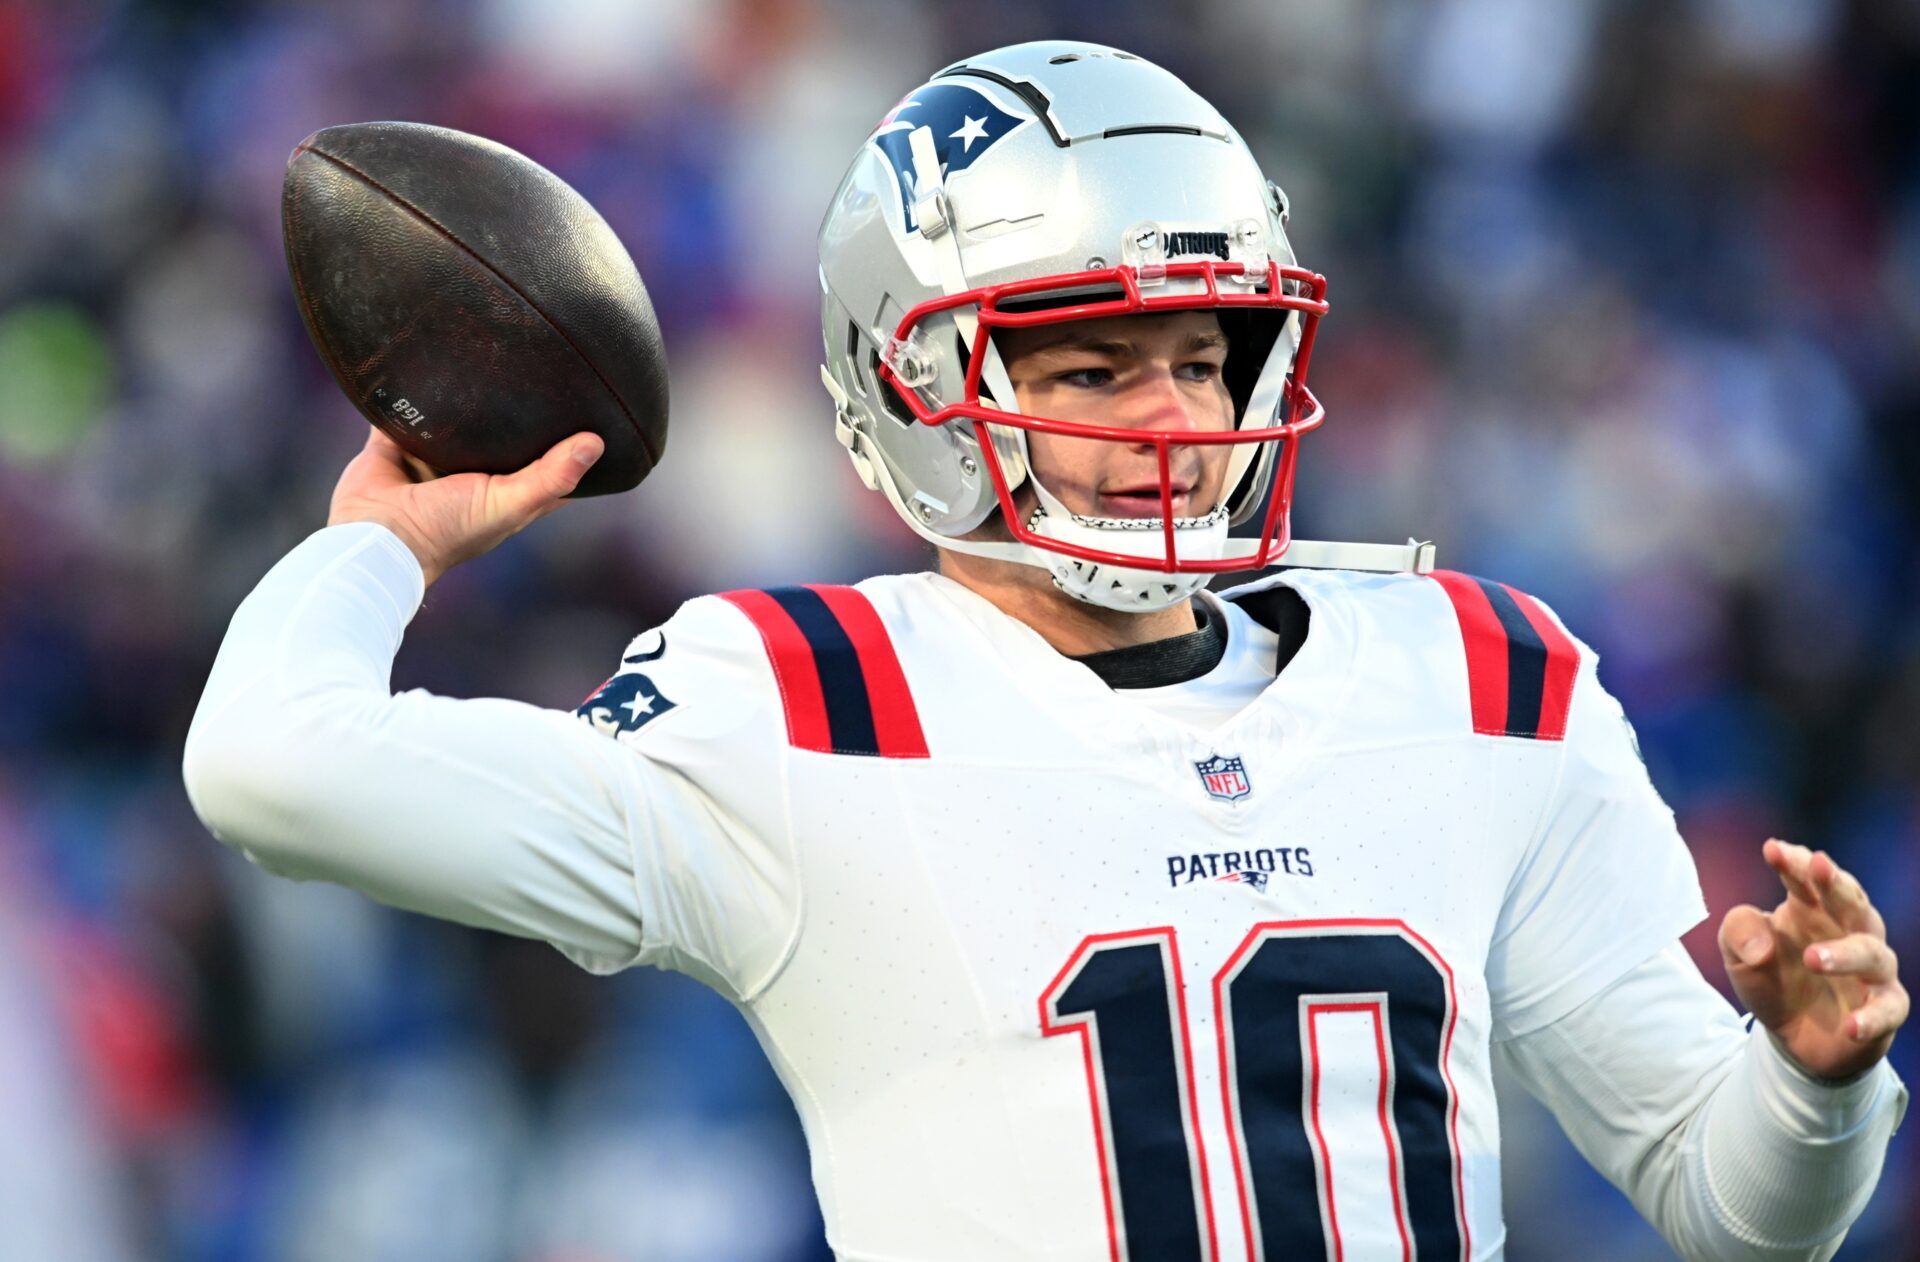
x,y
1087,378
1200,370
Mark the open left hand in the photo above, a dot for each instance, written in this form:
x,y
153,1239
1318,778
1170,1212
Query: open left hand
x,y
1817,970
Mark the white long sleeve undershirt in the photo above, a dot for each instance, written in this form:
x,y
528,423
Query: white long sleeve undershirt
x,y
508,816
1729,1149
486,811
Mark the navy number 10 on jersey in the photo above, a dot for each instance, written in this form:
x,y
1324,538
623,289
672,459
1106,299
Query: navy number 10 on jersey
x,y
1303,1009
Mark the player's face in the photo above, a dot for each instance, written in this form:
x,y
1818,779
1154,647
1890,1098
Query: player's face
x,y
1141,372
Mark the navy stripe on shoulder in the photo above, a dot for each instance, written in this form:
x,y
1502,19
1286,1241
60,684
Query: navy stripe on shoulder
x,y
843,685
1526,661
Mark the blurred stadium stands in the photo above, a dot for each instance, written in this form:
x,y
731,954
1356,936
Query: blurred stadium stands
x,y
1626,311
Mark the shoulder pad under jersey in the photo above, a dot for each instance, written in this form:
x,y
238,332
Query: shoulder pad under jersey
x,y
1447,652
1521,663
841,687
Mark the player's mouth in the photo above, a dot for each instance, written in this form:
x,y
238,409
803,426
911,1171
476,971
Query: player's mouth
x,y
1143,499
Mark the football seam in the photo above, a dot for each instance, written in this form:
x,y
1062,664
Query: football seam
x,y
653,457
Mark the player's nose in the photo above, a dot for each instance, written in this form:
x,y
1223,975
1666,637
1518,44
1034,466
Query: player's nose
x,y
1157,402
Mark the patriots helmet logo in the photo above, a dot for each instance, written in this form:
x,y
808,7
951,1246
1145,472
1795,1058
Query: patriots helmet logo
x,y
965,123
625,703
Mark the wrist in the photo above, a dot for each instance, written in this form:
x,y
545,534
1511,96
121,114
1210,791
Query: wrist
x,y
1793,1065
424,557
379,561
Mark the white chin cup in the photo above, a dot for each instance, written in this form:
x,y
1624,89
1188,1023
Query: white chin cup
x,y
1123,587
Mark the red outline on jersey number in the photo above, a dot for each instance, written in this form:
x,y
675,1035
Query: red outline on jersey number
x,y
1108,1191
1235,1139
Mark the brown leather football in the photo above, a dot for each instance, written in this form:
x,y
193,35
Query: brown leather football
x,y
470,303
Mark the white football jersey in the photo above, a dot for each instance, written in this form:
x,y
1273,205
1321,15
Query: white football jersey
x,y
1052,974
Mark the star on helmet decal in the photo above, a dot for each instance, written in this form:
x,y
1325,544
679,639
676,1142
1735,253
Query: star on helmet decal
x,y
965,122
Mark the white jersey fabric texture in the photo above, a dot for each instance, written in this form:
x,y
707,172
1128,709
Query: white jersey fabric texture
x,y
1050,991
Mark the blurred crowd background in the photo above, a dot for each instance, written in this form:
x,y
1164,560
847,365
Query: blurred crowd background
x,y
1626,312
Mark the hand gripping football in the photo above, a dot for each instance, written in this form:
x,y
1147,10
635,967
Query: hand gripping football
x,y
471,304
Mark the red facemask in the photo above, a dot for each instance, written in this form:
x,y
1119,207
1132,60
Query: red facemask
x,y
907,368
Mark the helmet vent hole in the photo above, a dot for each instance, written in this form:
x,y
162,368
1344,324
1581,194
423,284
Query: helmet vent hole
x,y
853,358
1063,59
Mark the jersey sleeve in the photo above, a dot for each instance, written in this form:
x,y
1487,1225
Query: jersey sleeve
x,y
694,708
485,811
1725,1145
1604,883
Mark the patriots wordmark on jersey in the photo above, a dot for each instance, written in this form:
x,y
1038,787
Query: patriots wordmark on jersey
x,y
1049,974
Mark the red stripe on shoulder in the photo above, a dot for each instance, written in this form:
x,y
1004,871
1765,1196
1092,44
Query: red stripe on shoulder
x,y
896,722
1486,644
793,669
1563,664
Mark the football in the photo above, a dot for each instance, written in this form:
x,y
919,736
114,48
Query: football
x,y
471,304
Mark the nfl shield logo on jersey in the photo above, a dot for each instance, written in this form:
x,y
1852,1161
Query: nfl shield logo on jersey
x,y
1224,778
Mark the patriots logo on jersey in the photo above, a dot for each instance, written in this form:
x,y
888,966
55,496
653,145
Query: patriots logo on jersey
x,y
625,703
1224,778
965,122
1238,867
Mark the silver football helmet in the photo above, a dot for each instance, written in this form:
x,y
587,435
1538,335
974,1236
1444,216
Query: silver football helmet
x,y
1043,183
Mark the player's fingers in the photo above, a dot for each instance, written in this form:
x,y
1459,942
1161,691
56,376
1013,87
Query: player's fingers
x,y
1746,938
1842,894
378,463
1858,955
378,440
1884,1012
1791,861
382,449
538,489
